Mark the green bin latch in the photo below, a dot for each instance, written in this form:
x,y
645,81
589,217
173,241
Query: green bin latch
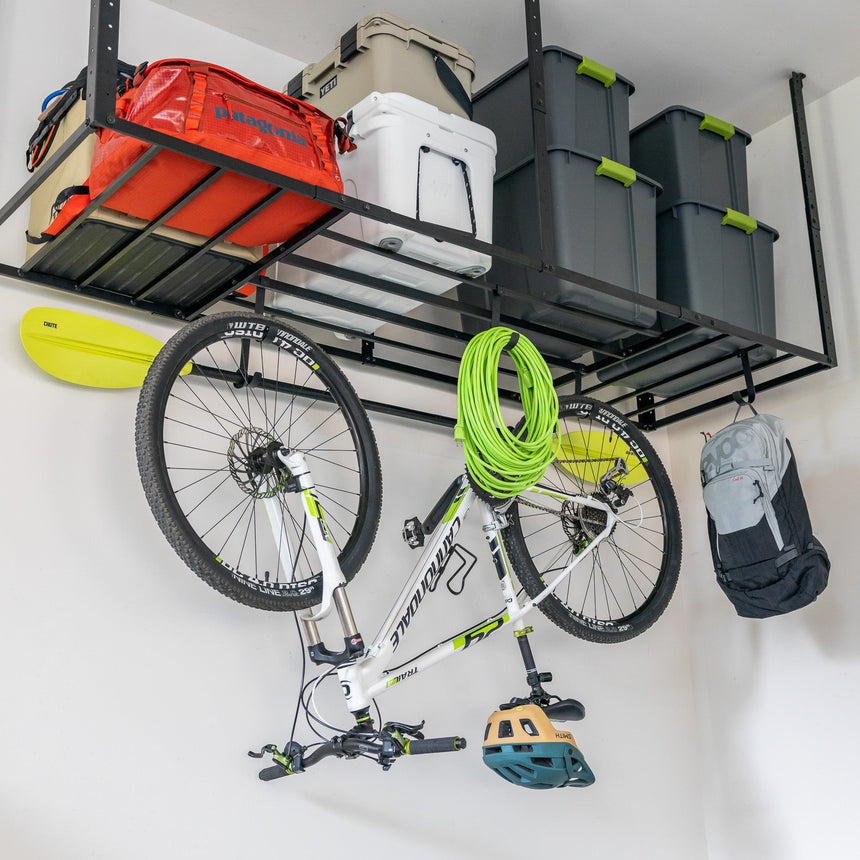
x,y
619,172
737,219
597,71
718,126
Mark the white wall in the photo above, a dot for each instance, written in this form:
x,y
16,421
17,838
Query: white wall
x,y
777,699
131,691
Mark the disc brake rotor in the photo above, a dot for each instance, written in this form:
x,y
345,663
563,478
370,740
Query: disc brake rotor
x,y
254,464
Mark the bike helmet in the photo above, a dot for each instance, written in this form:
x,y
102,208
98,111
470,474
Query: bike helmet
x,y
522,745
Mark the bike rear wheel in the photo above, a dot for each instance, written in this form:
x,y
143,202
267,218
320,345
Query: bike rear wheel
x,y
629,580
221,397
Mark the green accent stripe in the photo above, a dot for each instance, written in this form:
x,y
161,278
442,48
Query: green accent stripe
x,y
483,629
453,509
313,505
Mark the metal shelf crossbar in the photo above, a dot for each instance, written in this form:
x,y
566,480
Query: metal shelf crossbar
x,y
439,342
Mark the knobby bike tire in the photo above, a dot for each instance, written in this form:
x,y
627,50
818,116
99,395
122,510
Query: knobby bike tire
x,y
205,441
629,580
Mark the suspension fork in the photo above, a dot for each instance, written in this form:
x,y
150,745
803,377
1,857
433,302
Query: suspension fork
x,y
333,580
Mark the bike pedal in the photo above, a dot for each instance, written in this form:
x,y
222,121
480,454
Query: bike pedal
x,y
413,533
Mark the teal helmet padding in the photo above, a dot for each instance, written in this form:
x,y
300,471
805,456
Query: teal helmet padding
x,y
551,764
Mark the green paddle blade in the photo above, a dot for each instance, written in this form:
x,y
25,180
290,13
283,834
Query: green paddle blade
x,y
88,350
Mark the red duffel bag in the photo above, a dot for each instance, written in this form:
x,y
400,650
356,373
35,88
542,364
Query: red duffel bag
x,y
223,111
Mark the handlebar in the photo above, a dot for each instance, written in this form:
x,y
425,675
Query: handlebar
x,y
383,746
435,745
273,772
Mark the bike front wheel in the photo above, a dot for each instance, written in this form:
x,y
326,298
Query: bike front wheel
x,y
222,396
628,581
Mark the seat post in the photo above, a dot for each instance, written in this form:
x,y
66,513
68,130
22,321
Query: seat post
x,y
533,677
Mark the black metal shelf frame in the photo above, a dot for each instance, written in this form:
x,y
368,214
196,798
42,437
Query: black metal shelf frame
x,y
396,348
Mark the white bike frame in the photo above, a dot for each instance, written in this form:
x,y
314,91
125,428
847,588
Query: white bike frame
x,y
368,675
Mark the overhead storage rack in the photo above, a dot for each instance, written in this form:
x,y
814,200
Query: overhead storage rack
x,y
194,280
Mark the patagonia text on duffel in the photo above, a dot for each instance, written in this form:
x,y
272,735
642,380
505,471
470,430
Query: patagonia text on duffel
x,y
223,111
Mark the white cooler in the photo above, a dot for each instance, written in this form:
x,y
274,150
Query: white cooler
x,y
415,160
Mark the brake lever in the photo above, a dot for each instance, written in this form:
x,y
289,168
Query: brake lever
x,y
406,729
268,749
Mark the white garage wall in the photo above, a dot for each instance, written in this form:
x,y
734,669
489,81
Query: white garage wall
x,y
777,700
129,691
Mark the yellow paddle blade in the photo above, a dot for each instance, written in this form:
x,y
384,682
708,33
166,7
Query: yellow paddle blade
x,y
88,350
589,456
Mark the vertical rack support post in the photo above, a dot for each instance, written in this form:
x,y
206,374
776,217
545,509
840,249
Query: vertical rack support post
x,y
813,225
102,63
537,88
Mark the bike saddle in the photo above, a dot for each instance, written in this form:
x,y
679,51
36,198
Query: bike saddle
x,y
565,709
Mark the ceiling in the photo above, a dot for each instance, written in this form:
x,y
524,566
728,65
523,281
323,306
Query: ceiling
x,y
729,58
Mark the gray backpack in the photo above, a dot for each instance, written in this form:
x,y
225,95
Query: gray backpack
x,y
765,556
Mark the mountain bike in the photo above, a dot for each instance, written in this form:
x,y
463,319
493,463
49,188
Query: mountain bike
x,y
262,470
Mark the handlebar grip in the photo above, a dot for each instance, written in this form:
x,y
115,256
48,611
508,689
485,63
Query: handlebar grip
x,y
274,772
435,745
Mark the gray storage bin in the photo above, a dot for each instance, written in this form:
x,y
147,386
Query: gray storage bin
x,y
603,228
694,156
583,113
709,263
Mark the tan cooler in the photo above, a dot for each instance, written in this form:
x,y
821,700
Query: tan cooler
x,y
73,171
385,54
90,251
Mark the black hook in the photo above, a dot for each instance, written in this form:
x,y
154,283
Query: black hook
x,y
495,307
739,396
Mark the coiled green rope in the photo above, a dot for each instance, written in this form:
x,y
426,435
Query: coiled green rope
x,y
500,462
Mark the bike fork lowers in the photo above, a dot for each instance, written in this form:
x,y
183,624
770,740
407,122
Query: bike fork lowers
x,y
333,580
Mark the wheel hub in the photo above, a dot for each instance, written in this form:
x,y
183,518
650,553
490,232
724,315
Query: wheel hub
x,y
254,464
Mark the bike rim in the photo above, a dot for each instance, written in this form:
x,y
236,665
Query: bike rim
x,y
622,575
221,424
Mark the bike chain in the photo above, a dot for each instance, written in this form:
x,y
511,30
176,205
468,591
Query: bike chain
x,y
522,501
